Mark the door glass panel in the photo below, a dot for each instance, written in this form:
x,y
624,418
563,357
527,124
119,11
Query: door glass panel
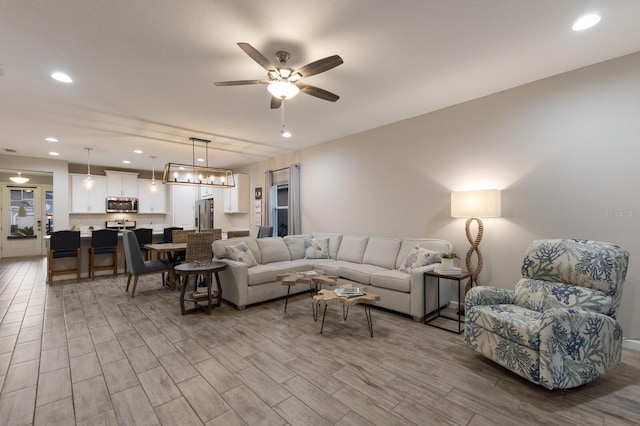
x,y
49,210
22,219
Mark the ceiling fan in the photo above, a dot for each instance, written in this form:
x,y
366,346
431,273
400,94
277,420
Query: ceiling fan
x,y
283,81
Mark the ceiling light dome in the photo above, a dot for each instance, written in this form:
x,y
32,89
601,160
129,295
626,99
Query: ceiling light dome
x,y
19,178
585,22
283,89
61,77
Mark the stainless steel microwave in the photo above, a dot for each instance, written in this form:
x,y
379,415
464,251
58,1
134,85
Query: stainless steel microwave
x,y
122,205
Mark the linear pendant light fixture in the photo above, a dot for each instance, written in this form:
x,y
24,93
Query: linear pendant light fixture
x,y
183,174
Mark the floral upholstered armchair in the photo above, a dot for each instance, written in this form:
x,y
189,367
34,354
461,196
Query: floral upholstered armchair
x,y
558,327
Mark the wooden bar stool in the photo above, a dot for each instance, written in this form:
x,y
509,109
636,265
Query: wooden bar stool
x,y
103,241
63,244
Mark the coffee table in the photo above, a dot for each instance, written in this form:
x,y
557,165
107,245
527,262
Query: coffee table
x,y
314,279
329,296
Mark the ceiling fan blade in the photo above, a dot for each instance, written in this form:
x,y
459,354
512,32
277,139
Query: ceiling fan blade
x,y
321,65
275,102
257,56
319,93
237,82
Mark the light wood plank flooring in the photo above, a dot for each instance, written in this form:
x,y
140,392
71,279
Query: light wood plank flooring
x,y
86,353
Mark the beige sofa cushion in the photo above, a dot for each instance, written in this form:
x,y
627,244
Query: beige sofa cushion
x,y
220,252
352,248
273,249
382,251
295,243
393,280
334,242
433,244
358,272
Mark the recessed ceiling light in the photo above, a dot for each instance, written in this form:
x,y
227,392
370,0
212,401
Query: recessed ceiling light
x,y
61,77
586,21
286,133
138,151
126,162
51,140
200,160
55,154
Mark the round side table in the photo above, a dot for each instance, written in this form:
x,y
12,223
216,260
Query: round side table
x,y
206,269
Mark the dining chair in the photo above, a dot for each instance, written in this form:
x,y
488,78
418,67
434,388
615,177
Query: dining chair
x,y
217,232
167,234
63,244
233,234
103,241
265,231
199,249
180,236
144,236
137,265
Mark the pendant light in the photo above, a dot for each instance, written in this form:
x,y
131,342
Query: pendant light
x,y
191,174
153,188
88,182
19,178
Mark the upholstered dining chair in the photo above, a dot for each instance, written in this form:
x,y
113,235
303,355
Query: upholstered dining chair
x,y
103,241
265,231
144,236
167,234
136,265
558,327
63,244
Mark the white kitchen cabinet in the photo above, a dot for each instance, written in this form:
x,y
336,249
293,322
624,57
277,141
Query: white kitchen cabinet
x,y
206,192
122,184
183,200
152,198
236,199
83,201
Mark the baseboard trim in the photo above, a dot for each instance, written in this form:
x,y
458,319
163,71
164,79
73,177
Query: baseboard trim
x,y
631,344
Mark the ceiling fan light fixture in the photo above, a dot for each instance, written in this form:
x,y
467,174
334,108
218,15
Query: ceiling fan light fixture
x,y
19,178
283,89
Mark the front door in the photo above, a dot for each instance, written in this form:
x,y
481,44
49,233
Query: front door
x,y
22,225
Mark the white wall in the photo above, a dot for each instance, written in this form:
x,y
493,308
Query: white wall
x,y
563,150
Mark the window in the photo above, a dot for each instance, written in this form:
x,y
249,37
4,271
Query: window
x,y
21,214
280,215
48,203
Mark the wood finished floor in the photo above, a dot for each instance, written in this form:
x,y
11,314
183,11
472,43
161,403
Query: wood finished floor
x,y
86,353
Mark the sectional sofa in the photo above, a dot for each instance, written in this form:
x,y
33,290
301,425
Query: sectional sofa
x,y
372,261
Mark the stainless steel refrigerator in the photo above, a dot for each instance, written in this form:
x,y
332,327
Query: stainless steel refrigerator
x,y
204,214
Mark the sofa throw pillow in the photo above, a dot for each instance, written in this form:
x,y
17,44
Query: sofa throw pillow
x,y
241,253
316,248
417,257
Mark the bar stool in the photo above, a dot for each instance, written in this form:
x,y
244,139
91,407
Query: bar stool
x,y
167,234
63,244
103,241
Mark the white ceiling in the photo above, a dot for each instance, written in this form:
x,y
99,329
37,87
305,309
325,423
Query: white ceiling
x,y
144,70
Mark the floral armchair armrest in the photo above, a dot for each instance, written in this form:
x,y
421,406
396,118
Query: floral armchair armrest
x,y
576,346
478,296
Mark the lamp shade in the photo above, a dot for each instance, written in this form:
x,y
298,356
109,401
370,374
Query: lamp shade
x,y
283,89
482,203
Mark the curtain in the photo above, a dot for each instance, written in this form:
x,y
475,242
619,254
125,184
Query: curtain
x,y
266,198
295,225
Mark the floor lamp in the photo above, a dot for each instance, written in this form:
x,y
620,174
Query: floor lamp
x,y
473,205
